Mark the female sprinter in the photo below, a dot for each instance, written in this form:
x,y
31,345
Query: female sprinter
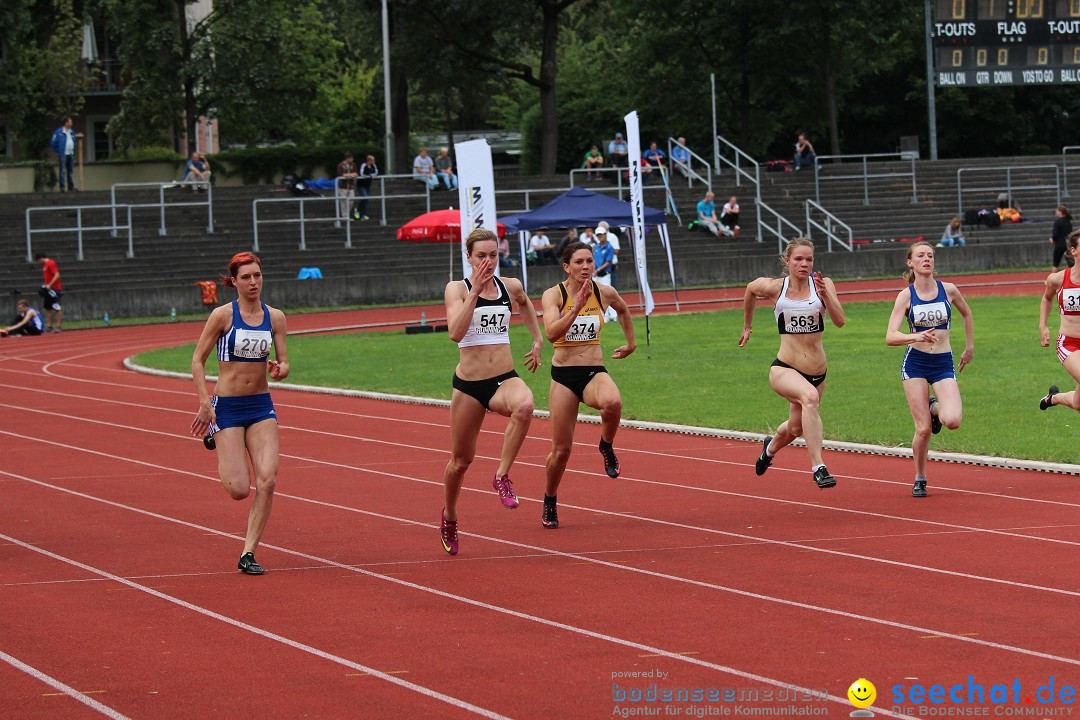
x,y
573,318
1065,286
927,304
478,319
801,299
240,417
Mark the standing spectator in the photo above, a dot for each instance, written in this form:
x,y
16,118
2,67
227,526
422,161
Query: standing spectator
x,y
197,168
651,160
680,157
804,153
424,170
613,240
541,245
570,236
368,171
445,169
603,254
346,170
27,321
618,152
954,234
50,292
63,144
706,214
729,218
593,160
1062,228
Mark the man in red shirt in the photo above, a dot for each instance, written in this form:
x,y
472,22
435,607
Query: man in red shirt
x,y
50,292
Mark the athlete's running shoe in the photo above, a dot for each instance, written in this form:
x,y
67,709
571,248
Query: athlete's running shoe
x,y
506,492
611,463
550,518
763,460
935,421
919,489
209,442
823,478
248,566
448,532
1048,401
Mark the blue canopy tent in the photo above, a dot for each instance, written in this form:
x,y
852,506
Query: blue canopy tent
x,y
579,207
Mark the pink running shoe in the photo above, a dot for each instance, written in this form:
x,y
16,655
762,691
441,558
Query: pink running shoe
x,y
506,492
448,531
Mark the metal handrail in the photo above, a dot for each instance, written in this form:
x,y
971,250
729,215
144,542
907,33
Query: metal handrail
x,y
382,194
866,175
781,221
827,228
691,174
1008,187
303,219
1065,167
79,227
739,173
162,187
619,188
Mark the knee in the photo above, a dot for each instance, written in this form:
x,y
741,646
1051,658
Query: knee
x,y
560,454
611,405
794,428
524,411
810,400
460,463
266,484
951,420
237,487
922,432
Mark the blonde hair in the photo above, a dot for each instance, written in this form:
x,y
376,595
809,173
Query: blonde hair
x,y
790,248
480,234
909,274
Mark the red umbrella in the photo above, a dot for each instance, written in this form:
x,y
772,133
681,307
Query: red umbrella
x,y
436,226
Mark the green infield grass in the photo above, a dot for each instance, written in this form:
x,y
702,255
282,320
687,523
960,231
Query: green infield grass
x,y
695,374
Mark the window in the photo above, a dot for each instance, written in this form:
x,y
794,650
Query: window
x,y
5,147
992,9
99,142
980,57
1029,9
1003,56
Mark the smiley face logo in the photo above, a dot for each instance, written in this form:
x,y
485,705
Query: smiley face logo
x,y
862,693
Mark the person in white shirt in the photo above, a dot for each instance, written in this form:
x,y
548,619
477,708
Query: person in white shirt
x,y
729,218
424,170
541,245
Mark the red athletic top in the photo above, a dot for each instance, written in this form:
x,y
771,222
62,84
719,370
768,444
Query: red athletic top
x,y
49,270
1069,295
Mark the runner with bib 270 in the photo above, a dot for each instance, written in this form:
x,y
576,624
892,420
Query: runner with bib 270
x,y
801,299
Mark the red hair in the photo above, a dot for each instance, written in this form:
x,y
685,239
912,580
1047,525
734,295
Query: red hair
x,y
239,259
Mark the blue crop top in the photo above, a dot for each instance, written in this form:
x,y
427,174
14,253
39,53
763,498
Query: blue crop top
x,y
244,343
926,314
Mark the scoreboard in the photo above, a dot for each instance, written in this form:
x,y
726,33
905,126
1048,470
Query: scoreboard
x,y
987,43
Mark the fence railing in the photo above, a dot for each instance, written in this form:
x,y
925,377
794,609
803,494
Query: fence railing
x,y
865,175
79,227
741,174
1008,187
781,223
303,220
1065,166
161,204
687,169
381,196
829,226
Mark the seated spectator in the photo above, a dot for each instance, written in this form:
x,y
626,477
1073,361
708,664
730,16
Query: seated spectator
x,y
593,160
197,169
706,215
541,245
444,168
651,160
618,152
804,153
570,236
27,321
729,218
504,253
680,157
424,170
588,236
954,234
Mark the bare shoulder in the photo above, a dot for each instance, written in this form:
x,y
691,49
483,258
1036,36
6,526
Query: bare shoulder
x,y
455,289
276,315
1056,279
766,287
513,286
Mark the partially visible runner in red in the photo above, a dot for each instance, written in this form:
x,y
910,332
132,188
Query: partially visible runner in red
x,y
1064,286
478,312
240,417
927,304
801,299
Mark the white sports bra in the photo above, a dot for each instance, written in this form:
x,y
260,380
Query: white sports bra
x,y
799,317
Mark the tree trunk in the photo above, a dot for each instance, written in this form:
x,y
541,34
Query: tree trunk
x,y
830,91
191,120
549,133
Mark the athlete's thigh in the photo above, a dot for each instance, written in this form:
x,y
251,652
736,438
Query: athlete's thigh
x,y
917,392
1072,366
601,391
563,405
511,395
263,446
231,452
466,419
947,392
790,384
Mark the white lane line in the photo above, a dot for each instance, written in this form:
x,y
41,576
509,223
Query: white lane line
x,y
575,556
422,690
65,689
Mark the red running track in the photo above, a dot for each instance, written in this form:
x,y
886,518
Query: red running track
x,y
119,595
